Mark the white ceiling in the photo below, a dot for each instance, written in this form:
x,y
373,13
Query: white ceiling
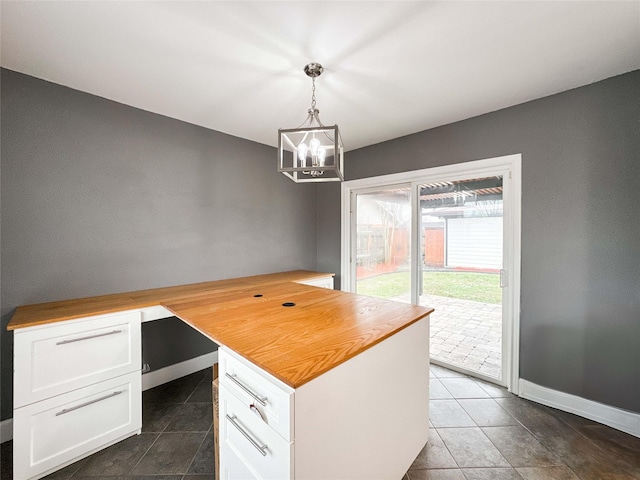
x,y
391,67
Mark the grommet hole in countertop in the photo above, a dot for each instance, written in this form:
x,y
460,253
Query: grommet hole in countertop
x,y
288,304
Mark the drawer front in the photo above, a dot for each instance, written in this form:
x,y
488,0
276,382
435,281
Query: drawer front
x,y
55,359
65,428
325,282
252,386
248,447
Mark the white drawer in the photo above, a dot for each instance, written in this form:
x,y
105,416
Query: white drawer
x,y
57,358
324,282
253,386
65,428
248,447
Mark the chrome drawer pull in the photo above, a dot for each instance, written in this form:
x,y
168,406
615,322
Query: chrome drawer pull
x,y
90,402
64,342
262,449
261,400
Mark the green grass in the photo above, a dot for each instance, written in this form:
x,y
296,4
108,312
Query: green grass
x,y
479,287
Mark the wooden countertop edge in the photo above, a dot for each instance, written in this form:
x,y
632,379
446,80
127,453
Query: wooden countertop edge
x,y
58,311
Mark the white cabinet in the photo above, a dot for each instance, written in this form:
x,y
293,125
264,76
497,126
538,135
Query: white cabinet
x,y
246,439
269,398
323,282
365,419
256,426
76,390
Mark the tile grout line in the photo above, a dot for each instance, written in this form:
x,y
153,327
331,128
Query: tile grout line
x,y
514,467
519,423
436,429
487,437
145,453
450,453
204,439
157,436
196,388
564,463
561,420
476,424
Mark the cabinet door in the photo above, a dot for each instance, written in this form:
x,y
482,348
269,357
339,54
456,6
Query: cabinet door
x,y
55,359
62,429
233,467
249,448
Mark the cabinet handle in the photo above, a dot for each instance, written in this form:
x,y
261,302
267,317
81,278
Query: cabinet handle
x,y
261,400
90,402
64,342
262,449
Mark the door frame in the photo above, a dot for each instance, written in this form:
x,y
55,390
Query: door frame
x,y
510,167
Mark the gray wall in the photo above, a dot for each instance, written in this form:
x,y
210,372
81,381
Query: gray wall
x,y
580,299
98,197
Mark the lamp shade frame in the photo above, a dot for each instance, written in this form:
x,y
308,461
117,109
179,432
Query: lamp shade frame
x,y
287,154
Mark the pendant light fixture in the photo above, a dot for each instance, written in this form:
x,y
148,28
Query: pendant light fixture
x,y
312,152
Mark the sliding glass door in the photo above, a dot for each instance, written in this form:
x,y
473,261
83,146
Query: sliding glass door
x,y
446,238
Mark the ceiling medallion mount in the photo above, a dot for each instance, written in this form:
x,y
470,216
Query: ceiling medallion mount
x,y
313,70
312,152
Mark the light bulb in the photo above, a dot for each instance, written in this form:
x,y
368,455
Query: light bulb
x,y
321,154
302,154
313,145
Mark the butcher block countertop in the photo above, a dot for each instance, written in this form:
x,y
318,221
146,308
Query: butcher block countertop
x,y
253,316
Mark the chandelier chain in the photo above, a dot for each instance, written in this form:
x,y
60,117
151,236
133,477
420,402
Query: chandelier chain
x,y
313,94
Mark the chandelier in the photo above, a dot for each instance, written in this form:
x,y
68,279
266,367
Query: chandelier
x,y
312,152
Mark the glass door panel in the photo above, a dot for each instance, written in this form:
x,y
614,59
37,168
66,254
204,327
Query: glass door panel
x,y
383,243
461,234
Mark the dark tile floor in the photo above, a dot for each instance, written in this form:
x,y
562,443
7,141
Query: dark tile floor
x,y
482,432
479,432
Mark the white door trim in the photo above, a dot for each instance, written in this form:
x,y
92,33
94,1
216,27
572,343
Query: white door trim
x,y
510,166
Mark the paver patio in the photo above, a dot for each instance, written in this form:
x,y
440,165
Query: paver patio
x,y
465,333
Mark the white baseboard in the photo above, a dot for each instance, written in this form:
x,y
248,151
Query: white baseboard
x,y
149,380
172,372
617,418
6,430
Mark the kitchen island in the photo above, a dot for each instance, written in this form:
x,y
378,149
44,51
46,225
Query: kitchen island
x,y
315,383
